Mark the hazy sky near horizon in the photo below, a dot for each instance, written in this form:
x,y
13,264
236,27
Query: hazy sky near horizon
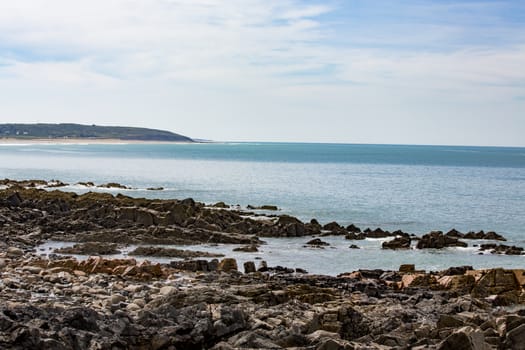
x,y
358,71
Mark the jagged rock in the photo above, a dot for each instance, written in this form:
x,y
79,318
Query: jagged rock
x,y
502,249
437,240
353,228
449,321
482,235
90,248
515,338
377,233
14,200
465,338
495,282
461,283
397,243
195,265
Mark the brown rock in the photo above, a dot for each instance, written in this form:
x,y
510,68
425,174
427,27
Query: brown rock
x,y
494,282
227,265
463,283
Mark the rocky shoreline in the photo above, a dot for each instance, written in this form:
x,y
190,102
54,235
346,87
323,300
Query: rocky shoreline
x,y
59,302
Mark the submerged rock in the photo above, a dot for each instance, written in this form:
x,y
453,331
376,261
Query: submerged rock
x,y
317,242
247,249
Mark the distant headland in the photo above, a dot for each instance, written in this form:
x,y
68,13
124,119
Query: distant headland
x,y
68,132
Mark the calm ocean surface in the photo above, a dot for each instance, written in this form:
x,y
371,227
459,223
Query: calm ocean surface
x,y
413,188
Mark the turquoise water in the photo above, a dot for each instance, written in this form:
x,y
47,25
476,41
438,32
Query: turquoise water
x,y
413,188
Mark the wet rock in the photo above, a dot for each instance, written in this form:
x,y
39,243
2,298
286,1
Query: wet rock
x,y
353,228
437,240
263,207
90,248
502,249
114,185
221,205
172,253
317,242
353,246
247,249
285,220
483,235
397,243
354,236
378,233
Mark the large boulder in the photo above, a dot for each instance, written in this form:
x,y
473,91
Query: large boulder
x,y
377,233
494,282
465,338
515,338
458,283
437,240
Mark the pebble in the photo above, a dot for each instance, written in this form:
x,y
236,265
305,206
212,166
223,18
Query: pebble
x,y
167,290
14,252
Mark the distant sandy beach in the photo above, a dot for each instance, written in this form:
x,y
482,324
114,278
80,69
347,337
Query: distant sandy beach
x,y
81,141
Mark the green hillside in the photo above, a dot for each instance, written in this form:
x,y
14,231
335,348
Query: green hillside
x,y
61,131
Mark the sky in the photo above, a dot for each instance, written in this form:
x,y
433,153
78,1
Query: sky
x,y
353,71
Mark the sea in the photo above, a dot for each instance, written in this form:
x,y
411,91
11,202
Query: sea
x,y
416,189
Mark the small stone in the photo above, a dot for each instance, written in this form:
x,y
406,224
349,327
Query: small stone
x,y
33,269
139,302
133,307
14,252
167,290
117,298
79,273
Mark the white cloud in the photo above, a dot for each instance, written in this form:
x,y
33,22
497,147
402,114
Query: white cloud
x,y
176,39
248,69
